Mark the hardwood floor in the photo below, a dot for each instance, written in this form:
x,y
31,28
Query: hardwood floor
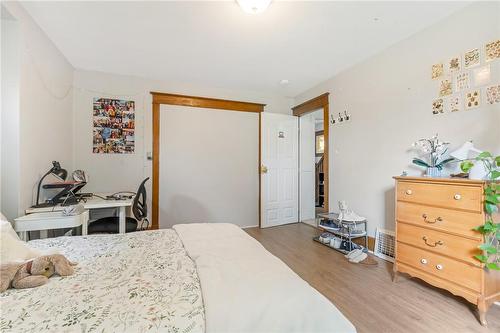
x,y
366,295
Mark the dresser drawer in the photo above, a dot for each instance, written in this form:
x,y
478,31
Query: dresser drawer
x,y
442,195
453,246
453,221
445,268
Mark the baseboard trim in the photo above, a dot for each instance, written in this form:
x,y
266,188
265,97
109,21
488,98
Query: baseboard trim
x,y
311,222
250,226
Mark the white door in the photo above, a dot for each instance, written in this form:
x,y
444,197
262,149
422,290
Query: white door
x,y
279,172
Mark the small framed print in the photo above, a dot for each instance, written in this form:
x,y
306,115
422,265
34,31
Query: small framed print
x,y
437,71
492,50
320,143
445,88
473,99
472,58
454,64
462,81
482,75
493,94
437,106
455,103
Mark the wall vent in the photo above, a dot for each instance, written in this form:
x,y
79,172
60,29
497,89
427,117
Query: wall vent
x,y
384,244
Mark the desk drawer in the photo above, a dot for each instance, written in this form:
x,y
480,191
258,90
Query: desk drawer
x,y
453,246
445,268
442,195
453,221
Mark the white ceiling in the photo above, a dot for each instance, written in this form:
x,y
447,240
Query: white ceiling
x,y
217,44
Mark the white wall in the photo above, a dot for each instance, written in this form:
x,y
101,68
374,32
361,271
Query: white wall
x,y
124,172
11,64
307,166
45,108
389,97
208,166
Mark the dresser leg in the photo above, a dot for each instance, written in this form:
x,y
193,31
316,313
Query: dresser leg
x,y
482,308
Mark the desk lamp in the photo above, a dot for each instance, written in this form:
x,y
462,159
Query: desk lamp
x,y
56,171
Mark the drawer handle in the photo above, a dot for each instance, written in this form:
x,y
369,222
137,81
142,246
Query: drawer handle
x,y
409,192
430,244
457,197
423,261
437,219
439,267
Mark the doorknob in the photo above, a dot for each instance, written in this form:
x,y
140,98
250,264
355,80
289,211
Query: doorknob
x,y
263,169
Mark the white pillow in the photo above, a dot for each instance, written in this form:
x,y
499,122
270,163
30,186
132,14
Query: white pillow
x,y
13,249
6,226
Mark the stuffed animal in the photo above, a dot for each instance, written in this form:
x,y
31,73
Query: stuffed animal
x,y
35,272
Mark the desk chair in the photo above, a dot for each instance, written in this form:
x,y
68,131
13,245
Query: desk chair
x,y
109,225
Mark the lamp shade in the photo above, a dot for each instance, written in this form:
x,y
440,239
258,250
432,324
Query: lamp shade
x,y
58,172
463,152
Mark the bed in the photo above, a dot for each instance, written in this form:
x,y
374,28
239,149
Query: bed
x,y
193,278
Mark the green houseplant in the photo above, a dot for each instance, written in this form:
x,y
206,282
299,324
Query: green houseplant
x,y
490,255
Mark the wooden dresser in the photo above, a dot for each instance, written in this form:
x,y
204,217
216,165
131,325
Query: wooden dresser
x,y
435,241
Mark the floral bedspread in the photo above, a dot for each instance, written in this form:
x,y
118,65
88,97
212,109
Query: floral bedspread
x,y
136,282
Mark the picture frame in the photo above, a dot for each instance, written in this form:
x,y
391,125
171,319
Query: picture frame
x,y
320,143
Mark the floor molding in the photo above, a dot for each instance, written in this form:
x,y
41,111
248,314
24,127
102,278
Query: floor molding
x,y
250,226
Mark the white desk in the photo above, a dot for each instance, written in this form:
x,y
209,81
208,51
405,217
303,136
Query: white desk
x,y
95,203
49,220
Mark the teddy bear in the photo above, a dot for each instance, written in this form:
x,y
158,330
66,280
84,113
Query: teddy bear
x,y
35,272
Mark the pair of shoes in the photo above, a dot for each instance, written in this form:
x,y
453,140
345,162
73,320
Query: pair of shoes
x,y
349,215
348,246
329,224
356,258
353,253
325,238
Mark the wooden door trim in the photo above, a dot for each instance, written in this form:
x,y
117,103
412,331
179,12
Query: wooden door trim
x,y
313,104
156,166
192,101
316,103
206,102
259,170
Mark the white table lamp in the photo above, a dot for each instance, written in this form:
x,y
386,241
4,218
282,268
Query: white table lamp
x,y
463,152
478,171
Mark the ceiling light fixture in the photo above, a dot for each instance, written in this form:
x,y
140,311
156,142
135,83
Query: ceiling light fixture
x,y
284,82
254,6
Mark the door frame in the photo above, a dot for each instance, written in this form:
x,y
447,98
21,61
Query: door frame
x,y
314,104
197,102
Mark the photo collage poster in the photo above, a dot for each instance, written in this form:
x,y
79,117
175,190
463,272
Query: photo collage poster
x,y
113,126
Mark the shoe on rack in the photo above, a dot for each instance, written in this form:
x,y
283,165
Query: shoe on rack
x,y
353,253
360,257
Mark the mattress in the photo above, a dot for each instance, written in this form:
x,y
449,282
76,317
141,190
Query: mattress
x,y
211,278
136,282
246,289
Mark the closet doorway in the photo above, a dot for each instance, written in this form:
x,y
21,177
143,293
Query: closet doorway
x,y
205,151
313,161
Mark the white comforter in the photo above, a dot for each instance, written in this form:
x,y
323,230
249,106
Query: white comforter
x,y
135,282
247,289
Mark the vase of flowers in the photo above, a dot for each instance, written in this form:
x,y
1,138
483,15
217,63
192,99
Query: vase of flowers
x,y
436,151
